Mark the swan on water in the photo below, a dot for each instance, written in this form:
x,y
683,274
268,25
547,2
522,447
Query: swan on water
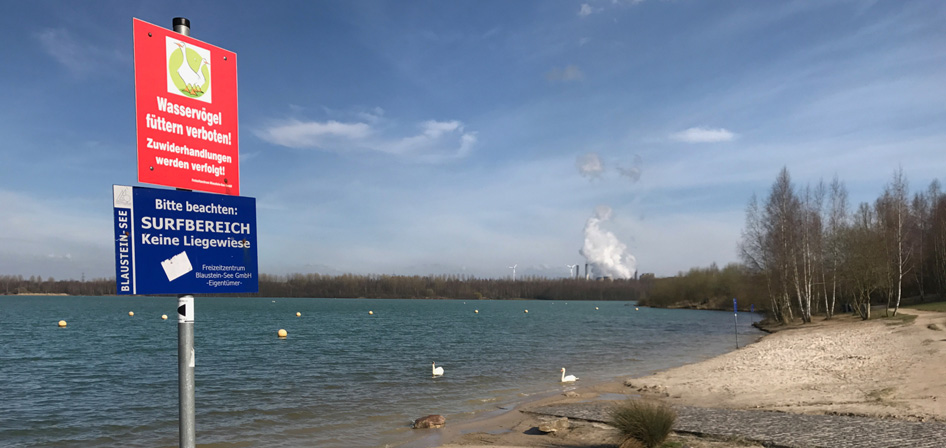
x,y
437,371
569,378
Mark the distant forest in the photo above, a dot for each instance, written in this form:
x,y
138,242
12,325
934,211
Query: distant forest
x,y
374,286
804,251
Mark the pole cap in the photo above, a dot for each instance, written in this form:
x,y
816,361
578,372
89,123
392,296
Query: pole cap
x,y
181,21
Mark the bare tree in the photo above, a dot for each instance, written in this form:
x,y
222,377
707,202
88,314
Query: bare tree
x,y
865,264
804,254
834,231
781,221
938,234
922,220
756,254
899,225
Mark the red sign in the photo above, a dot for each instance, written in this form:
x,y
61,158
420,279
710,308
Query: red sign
x,y
185,112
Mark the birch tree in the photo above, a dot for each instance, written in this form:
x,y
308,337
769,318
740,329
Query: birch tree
x,y
899,225
834,232
781,221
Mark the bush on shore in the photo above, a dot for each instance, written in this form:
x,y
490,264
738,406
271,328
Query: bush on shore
x,y
643,423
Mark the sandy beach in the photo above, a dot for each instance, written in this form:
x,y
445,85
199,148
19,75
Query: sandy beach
x,y
844,366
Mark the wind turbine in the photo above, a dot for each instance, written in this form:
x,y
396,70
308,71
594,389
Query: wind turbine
x,y
570,266
513,267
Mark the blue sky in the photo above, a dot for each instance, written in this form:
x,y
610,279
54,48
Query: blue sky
x,y
468,136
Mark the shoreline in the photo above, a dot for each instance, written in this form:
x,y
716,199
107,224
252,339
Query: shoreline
x,y
881,368
503,420
489,427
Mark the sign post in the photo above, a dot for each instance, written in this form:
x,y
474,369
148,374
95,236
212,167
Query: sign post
x,y
181,242
185,370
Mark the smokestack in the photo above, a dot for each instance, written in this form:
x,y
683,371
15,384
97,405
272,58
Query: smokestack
x,y
587,274
577,271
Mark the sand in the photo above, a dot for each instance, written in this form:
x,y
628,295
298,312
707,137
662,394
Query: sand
x,y
880,368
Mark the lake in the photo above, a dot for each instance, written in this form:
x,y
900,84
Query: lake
x,y
342,377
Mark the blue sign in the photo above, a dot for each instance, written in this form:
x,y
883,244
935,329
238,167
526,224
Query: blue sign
x,y
182,242
734,305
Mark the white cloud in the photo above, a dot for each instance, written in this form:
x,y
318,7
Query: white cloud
x,y
373,116
81,58
427,146
587,10
703,135
569,73
436,141
299,134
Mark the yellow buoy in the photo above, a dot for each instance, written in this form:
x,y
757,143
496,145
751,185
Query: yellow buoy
x,y
62,323
527,311
476,311
370,312
131,313
596,307
298,314
282,333
164,317
636,309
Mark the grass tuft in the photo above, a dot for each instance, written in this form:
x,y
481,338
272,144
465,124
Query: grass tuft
x,y
647,422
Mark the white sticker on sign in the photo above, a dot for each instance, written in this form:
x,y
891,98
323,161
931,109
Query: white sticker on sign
x,y
185,309
121,196
177,266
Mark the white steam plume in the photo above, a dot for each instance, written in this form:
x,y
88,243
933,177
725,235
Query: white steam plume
x,y
607,255
590,165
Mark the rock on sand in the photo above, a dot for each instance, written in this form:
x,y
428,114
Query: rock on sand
x,y
430,421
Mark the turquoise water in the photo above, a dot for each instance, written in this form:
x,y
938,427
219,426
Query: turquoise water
x,y
342,378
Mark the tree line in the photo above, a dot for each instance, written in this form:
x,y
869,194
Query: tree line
x,y
373,286
805,251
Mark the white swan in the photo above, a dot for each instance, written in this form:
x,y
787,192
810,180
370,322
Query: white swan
x,y
569,378
437,371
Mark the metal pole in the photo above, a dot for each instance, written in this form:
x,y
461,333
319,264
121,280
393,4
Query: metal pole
x,y
185,333
185,369
735,317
